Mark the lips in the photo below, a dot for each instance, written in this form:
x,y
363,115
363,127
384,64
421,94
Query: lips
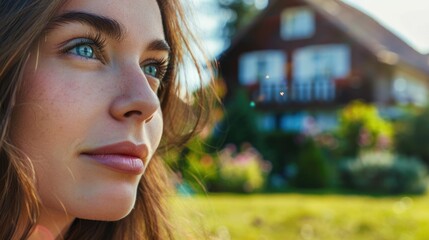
x,y
125,157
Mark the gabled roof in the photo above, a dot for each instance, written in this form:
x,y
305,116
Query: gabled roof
x,y
385,45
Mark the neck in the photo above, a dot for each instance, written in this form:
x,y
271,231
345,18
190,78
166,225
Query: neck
x,y
56,223
41,233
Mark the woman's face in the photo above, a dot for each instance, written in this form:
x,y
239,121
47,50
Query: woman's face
x,y
88,115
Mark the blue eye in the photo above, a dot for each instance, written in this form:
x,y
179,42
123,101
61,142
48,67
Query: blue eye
x,y
84,50
151,70
155,68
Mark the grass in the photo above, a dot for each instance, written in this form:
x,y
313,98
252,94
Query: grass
x,y
305,216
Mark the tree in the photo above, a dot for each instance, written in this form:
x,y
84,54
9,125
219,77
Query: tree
x,y
239,14
239,124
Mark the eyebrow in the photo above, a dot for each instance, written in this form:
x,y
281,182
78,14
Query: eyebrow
x,y
106,25
159,45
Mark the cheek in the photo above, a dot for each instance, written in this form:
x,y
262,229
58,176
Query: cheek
x,y
42,106
51,116
155,130
41,126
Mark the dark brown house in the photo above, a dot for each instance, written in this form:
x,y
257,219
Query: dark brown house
x,y
302,58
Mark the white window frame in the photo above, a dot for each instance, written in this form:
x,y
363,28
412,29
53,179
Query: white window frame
x,y
297,23
408,89
315,68
271,80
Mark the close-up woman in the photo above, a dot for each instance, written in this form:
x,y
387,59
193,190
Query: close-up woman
x,y
90,100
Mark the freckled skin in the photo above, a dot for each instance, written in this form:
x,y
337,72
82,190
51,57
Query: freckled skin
x,y
69,104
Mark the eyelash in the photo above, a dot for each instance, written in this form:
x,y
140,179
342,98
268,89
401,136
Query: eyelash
x,y
161,65
98,43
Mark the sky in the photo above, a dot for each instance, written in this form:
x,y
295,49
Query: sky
x,y
409,19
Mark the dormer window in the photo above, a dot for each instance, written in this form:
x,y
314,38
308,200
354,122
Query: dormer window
x,y
297,23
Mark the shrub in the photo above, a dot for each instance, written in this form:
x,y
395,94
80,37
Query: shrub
x,y
200,172
280,149
361,127
229,170
243,171
412,139
238,125
194,167
313,169
383,172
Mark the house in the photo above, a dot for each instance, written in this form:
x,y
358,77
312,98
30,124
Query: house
x,y
301,60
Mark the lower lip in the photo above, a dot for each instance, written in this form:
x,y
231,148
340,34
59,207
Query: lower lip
x,y
121,163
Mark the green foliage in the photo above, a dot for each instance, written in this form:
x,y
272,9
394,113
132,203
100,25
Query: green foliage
x,y
313,169
361,128
383,172
239,123
227,171
194,166
239,12
201,172
243,171
412,137
280,149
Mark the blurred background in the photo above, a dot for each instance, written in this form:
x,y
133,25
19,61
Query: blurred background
x,y
323,130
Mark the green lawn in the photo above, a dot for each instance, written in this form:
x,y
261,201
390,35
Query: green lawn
x,y
306,216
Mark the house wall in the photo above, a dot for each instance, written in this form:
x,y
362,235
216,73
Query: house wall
x,y
368,78
360,83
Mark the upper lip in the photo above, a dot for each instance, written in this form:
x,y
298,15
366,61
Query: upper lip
x,y
121,148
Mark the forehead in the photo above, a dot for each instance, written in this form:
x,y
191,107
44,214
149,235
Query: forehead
x,y
139,18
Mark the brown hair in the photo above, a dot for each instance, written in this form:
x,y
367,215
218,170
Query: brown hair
x,y
22,24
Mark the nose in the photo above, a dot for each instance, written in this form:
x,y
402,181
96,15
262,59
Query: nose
x,y
136,100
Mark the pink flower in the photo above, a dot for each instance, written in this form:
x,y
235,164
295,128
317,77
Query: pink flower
x,y
364,137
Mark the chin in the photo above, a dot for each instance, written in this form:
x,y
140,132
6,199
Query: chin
x,y
110,207
113,216
113,212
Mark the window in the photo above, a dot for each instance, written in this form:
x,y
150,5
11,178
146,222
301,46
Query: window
x,y
267,122
407,89
292,122
261,66
297,23
315,69
310,123
266,68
